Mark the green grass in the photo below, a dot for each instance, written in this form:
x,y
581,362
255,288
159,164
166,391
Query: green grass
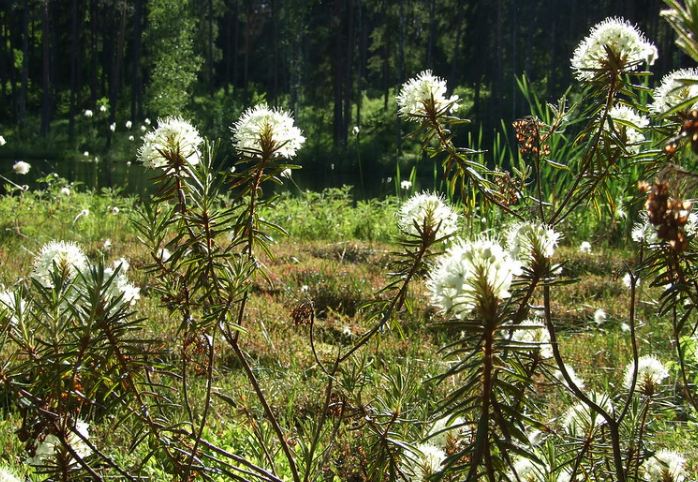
x,y
336,254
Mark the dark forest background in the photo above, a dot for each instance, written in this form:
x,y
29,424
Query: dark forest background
x,y
335,63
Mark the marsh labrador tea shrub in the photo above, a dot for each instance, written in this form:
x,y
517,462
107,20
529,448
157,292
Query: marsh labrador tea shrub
x,y
510,406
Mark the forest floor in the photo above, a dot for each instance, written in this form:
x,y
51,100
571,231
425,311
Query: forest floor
x,y
336,257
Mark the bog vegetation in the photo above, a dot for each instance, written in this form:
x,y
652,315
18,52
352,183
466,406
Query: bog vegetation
x,y
472,335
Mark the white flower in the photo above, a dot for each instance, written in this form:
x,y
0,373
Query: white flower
x,y
286,173
531,241
164,255
619,36
66,256
6,475
405,185
82,214
102,108
676,88
2,141
131,138
427,210
691,226
86,153
120,285
261,128
88,113
665,466
579,419
112,126
50,446
10,306
573,375
128,124
633,134
143,128
421,466
600,316
106,244
627,280
356,130
644,232
585,247
415,98
21,167
468,271
534,335
625,327
650,374
147,121
65,191
113,210
444,430
173,136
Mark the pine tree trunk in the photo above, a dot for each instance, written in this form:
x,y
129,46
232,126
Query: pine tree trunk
x,y
136,87
24,74
73,68
46,69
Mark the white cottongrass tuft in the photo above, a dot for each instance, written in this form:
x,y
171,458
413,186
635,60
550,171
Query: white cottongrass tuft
x,y
619,36
444,430
469,270
531,241
66,256
428,211
6,475
675,88
173,137
262,128
534,336
600,316
633,134
665,466
585,247
420,466
21,167
48,448
415,98
580,420
651,373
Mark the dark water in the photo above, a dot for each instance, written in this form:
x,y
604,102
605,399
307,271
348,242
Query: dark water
x,y
132,178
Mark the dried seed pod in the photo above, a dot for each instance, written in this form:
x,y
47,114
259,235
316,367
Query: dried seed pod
x,y
669,215
529,137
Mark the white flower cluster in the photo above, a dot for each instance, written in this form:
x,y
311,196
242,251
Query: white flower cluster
x,y
66,256
428,211
21,168
6,475
619,36
419,467
50,446
256,123
531,241
665,466
644,232
633,134
675,88
465,270
534,335
416,96
573,375
173,136
651,372
580,420
120,286
10,305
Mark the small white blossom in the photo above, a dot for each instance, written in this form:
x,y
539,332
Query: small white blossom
x,y
633,135
88,113
102,108
427,210
21,167
650,374
691,226
2,141
82,214
619,36
534,335
143,129
665,466
261,128
131,138
423,93
120,286
66,256
405,185
600,316
585,247
420,466
65,191
644,232
112,126
580,420
106,244
286,173
466,270
625,327
676,88
573,375
531,241
147,121
114,210
128,124
355,130
173,136
86,153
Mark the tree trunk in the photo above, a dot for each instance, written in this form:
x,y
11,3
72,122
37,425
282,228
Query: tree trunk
x,y
348,70
432,34
73,68
116,61
337,64
93,53
46,68
136,87
24,74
